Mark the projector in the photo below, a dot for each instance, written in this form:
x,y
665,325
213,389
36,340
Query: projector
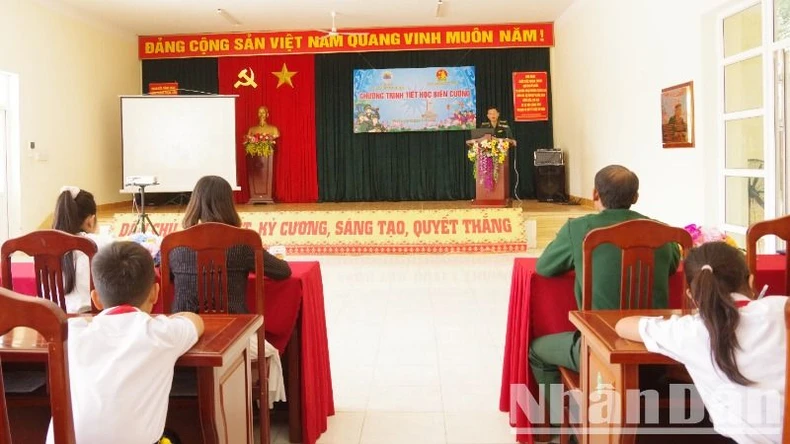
x,y
140,181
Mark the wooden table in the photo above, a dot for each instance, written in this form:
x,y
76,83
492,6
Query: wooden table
x,y
609,360
295,325
222,364
540,305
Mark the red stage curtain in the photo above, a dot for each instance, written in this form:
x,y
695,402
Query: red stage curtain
x,y
291,110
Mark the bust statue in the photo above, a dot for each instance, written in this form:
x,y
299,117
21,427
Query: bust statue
x,y
263,126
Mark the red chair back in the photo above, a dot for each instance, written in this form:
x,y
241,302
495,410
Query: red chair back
x,y
48,249
638,239
210,242
778,227
50,322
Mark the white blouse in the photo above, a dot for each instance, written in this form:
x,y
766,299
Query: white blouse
x,y
747,414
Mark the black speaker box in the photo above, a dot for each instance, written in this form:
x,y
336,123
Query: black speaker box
x,y
550,183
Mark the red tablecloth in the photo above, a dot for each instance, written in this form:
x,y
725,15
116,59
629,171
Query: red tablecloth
x,y
305,290
532,317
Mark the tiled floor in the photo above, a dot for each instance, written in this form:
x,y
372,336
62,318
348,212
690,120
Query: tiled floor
x,y
416,346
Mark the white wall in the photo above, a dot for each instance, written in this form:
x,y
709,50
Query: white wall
x,y
71,72
611,60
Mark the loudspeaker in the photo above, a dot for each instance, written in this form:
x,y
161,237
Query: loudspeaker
x,y
550,183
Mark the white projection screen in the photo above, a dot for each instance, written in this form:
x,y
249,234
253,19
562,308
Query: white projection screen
x,y
178,139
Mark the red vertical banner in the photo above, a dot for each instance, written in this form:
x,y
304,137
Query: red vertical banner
x,y
530,96
286,86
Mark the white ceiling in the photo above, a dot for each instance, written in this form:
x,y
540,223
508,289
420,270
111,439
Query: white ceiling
x,y
156,17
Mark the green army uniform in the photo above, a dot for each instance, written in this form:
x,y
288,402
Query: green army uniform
x,y
563,254
501,130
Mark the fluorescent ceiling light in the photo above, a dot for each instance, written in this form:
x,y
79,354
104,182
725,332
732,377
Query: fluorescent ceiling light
x,y
231,19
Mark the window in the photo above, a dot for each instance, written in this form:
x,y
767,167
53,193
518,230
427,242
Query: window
x,y
744,121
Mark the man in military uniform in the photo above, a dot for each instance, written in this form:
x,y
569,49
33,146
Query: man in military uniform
x,y
501,127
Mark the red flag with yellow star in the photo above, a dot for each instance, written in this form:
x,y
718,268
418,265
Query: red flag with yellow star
x,y
286,85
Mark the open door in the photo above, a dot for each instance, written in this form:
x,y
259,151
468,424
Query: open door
x,y
4,144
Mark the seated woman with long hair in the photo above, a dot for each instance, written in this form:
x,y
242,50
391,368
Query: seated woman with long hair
x,y
75,213
212,201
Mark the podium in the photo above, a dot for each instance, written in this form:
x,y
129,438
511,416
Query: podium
x,y
499,197
260,171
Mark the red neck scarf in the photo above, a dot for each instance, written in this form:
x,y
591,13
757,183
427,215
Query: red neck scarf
x,y
121,309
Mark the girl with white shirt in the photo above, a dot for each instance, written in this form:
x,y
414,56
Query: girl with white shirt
x,y
75,213
733,347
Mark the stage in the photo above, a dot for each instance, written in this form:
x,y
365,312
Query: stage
x,y
539,223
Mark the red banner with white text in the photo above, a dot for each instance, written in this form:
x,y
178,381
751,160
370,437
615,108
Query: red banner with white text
x,y
530,96
528,35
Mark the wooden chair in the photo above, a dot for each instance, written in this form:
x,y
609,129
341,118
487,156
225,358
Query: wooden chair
x,y
638,239
50,322
778,227
210,242
48,249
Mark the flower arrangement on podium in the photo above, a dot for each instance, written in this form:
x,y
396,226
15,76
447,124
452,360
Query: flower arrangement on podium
x,y
488,154
702,234
259,144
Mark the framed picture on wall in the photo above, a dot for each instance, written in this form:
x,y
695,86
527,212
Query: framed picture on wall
x,y
677,116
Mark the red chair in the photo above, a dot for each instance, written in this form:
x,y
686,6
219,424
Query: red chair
x,y
50,322
48,249
210,242
778,227
638,239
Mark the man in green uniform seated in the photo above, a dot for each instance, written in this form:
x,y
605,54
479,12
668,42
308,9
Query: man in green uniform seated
x,y
616,189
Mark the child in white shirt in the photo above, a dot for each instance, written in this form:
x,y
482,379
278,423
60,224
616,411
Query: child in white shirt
x,y
733,348
75,213
121,360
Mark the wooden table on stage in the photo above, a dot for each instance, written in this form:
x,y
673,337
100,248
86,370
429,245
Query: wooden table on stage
x,y
222,364
608,359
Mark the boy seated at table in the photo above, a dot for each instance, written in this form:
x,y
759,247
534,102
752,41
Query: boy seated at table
x,y
616,189
121,360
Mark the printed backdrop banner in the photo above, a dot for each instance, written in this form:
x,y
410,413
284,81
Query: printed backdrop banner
x,y
526,35
414,99
497,230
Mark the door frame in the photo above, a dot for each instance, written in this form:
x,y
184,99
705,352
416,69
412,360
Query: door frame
x,y
13,153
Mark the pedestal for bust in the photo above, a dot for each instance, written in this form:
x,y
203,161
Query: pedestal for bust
x,y
260,171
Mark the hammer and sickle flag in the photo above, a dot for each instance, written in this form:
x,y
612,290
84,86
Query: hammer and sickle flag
x,y
246,80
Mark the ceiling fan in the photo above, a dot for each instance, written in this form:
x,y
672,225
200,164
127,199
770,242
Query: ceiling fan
x,y
439,4
334,32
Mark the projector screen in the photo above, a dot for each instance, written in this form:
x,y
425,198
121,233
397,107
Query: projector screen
x,y
178,139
